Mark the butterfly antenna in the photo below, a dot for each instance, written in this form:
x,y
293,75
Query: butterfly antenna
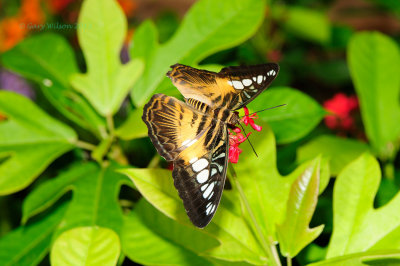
x,y
266,109
244,131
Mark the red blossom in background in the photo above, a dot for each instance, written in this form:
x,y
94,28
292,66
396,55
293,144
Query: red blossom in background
x,y
342,107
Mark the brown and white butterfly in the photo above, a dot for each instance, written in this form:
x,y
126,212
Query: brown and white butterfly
x,y
194,135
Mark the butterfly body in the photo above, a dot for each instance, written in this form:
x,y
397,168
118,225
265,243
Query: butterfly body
x,y
194,135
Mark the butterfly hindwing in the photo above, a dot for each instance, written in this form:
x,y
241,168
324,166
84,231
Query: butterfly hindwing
x,y
232,87
200,177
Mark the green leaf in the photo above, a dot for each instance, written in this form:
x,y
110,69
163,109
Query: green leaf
x,y
107,81
94,197
49,60
28,244
300,21
86,246
151,238
293,121
133,127
145,41
357,226
29,139
209,26
339,151
379,257
374,62
237,240
294,234
266,190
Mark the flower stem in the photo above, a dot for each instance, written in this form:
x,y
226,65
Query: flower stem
x,y
85,145
269,249
288,261
154,161
110,124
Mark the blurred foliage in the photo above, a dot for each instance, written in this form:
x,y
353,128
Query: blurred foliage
x,y
82,184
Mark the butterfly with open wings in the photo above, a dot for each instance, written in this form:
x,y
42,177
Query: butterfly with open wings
x,y
194,135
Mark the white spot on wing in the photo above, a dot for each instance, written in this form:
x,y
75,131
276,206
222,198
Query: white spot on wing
x,y
259,79
213,208
254,78
209,209
208,204
193,160
264,78
210,188
213,171
247,82
199,165
203,187
202,176
192,142
238,85
219,156
212,193
186,142
230,82
245,93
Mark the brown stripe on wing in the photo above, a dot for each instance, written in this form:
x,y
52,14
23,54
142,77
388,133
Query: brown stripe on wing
x,y
173,125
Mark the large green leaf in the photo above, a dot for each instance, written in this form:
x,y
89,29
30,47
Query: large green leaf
x,y
374,62
237,240
48,59
101,36
29,141
379,257
28,244
86,246
151,238
133,127
294,234
293,121
94,200
338,151
357,226
266,190
210,26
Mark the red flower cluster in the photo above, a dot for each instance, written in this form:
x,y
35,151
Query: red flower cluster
x,y
234,141
236,137
342,107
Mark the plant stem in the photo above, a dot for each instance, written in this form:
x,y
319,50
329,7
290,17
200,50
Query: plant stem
x,y
85,145
270,249
288,261
110,124
154,161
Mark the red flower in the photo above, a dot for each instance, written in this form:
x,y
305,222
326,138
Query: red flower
x,y
342,107
250,119
234,141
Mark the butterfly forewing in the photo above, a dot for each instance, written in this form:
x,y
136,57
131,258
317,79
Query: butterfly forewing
x,y
232,87
247,82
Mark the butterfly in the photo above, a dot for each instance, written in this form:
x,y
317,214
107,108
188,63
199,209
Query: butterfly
x,y
194,135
